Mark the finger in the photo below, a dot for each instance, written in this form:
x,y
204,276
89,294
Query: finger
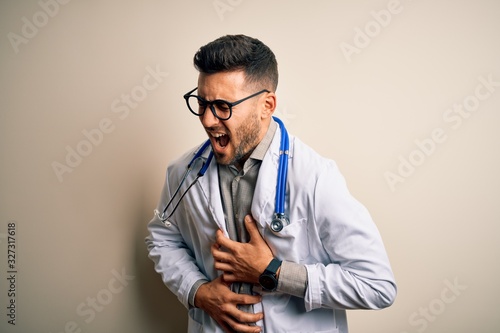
x,y
251,226
222,240
219,233
247,299
229,277
241,326
220,255
216,246
225,282
248,317
224,326
222,266
239,319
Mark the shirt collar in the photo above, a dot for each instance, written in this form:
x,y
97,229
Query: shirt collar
x,y
259,152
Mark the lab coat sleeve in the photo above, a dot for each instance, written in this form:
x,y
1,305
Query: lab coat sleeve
x,y
173,259
357,273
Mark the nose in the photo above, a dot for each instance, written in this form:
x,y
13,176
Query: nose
x,y
208,119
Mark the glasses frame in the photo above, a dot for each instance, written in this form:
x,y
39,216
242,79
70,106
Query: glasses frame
x,y
211,103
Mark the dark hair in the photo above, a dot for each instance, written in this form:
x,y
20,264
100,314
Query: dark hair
x,y
239,52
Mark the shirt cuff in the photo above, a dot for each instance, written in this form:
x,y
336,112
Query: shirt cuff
x,y
292,279
194,289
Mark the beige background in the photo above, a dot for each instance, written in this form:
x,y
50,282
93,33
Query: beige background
x,y
66,75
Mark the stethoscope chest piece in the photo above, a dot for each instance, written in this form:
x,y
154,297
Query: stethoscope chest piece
x,y
279,222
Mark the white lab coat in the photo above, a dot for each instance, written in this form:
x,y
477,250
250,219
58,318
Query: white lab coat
x,y
330,232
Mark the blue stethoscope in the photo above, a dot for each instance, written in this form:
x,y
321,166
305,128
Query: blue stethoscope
x,y
279,221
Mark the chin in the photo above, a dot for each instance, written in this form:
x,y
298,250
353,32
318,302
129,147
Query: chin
x,y
222,159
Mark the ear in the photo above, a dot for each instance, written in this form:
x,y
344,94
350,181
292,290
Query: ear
x,y
268,105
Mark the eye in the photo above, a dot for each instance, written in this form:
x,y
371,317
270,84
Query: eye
x,y
222,106
201,103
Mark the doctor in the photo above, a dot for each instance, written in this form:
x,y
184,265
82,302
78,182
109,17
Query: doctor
x,y
217,244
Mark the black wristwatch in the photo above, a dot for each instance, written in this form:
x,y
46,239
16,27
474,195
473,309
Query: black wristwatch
x,y
268,280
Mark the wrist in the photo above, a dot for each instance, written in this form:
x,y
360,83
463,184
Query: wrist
x,y
194,293
268,280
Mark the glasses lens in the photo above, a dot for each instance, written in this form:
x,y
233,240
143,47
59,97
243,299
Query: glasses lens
x,y
195,105
222,109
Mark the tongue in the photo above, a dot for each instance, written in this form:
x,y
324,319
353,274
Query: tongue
x,y
224,140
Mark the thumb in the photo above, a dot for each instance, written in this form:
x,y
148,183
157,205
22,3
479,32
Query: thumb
x,y
251,226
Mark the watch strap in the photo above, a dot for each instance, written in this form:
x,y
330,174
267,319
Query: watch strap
x,y
273,266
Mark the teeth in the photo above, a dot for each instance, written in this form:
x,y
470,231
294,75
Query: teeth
x,y
217,135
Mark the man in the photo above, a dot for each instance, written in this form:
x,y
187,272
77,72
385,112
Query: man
x,y
217,251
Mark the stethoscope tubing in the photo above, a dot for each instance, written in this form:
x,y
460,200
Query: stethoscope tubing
x,y
280,183
201,173
282,169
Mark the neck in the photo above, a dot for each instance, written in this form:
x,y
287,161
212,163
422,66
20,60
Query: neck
x,y
241,162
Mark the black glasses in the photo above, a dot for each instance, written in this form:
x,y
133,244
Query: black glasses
x,y
221,109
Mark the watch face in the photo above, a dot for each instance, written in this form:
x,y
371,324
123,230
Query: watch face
x,y
268,282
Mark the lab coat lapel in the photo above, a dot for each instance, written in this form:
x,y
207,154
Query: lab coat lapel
x,y
265,191
210,187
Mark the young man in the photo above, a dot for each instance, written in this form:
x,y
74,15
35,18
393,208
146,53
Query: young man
x,y
222,251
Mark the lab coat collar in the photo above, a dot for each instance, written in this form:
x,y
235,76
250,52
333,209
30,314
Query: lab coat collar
x,y
210,187
263,204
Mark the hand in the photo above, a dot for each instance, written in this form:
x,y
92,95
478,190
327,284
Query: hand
x,y
242,262
216,299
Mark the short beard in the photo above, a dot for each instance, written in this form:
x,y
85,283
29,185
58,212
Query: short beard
x,y
250,132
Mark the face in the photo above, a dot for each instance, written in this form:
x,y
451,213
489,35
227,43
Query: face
x,y
233,140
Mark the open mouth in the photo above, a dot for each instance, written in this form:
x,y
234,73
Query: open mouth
x,y
221,139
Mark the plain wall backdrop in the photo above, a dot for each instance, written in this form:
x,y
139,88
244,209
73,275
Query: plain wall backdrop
x,y
403,95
